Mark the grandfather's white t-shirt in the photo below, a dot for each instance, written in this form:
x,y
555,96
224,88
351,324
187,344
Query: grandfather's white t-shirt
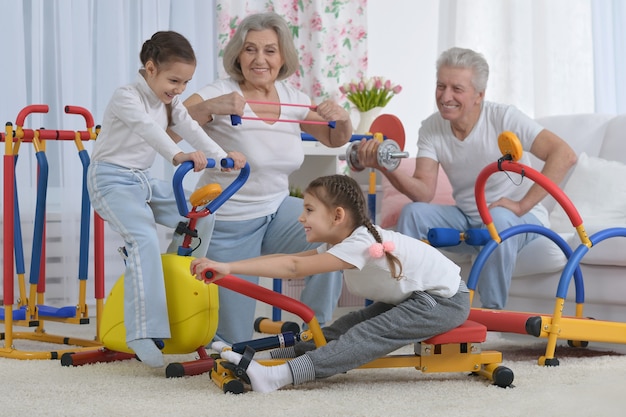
x,y
462,160
424,268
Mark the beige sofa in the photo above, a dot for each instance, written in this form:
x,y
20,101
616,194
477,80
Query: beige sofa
x,y
597,187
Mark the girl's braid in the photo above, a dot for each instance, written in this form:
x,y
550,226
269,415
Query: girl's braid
x,y
343,191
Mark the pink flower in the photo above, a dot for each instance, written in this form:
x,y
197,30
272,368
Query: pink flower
x,y
371,92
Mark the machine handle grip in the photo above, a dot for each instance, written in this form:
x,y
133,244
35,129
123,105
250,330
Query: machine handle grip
x,y
82,112
185,167
33,108
208,275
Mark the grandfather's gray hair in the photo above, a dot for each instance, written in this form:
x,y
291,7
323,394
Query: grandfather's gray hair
x,y
466,58
261,21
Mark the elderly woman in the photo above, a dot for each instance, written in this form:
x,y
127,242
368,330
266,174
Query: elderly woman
x,y
261,218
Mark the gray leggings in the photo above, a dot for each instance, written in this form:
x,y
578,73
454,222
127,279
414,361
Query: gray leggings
x,y
379,329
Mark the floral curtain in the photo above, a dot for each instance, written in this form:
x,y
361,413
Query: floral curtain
x,y
330,35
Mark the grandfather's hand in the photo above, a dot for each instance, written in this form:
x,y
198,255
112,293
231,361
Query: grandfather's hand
x,y
514,206
367,153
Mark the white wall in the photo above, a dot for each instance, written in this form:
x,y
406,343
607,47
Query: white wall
x,y
402,41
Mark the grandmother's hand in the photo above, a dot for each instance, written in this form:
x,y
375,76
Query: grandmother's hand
x,y
231,103
330,110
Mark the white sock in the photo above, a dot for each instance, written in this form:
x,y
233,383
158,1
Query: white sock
x,y
147,352
262,378
220,346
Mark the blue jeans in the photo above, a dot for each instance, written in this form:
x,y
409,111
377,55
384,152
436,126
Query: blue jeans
x,y
132,203
280,232
495,278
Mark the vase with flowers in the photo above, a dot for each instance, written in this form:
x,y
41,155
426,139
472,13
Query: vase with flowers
x,y
369,96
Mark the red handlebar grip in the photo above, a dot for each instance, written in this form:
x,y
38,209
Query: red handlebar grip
x,y
33,108
83,112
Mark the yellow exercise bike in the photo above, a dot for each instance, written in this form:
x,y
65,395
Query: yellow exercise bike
x,y
192,305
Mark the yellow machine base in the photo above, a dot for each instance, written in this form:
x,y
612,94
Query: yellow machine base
x,y
192,306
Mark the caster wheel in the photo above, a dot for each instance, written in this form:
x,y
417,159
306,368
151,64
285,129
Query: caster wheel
x,y
502,376
577,343
234,387
175,370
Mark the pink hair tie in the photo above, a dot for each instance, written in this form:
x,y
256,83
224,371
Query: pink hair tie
x,y
377,250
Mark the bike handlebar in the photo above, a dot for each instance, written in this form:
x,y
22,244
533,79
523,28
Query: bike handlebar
x,y
33,108
185,167
82,112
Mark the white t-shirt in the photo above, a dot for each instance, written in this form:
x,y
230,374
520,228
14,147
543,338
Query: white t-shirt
x,y
273,151
133,129
462,160
424,268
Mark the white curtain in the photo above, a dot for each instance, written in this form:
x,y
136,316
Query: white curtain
x,y
540,52
76,52
609,47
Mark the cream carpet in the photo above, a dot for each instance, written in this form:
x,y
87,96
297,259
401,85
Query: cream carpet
x,y
588,382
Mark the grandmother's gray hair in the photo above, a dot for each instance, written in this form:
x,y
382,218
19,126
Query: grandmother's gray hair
x,y
261,21
467,58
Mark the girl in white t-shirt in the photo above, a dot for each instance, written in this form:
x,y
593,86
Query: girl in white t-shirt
x,y
417,292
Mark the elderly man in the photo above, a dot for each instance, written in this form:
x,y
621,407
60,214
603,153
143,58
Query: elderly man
x,y
462,137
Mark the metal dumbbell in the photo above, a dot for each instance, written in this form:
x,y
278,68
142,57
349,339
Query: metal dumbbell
x,y
388,155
